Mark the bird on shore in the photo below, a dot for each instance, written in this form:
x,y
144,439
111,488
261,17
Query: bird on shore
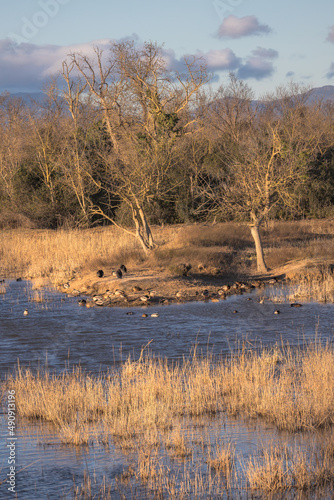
x,y
144,298
82,302
117,274
100,273
123,268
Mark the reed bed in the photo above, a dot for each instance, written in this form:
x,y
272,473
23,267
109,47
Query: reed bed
x,y
290,388
145,407
314,285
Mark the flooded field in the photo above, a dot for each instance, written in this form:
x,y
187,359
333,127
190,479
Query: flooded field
x,y
59,334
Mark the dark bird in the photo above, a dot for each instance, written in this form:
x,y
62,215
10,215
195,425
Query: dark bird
x,y
295,304
123,268
100,273
277,312
82,302
18,279
119,273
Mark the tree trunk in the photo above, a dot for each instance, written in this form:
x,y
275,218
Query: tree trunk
x,y
143,231
261,265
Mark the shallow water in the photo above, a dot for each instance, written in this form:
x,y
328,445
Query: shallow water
x,y
63,334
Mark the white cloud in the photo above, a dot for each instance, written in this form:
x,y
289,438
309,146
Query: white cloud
x,y
237,27
25,66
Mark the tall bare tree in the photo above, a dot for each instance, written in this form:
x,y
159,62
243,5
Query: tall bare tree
x,y
268,155
145,109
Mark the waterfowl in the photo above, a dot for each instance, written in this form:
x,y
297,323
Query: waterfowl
x,y
82,302
129,313
136,289
75,293
235,312
154,315
25,312
225,288
295,304
261,301
99,302
277,311
123,268
89,303
97,297
205,293
221,291
119,293
214,299
144,315
100,273
144,298
66,285
178,295
118,274
18,279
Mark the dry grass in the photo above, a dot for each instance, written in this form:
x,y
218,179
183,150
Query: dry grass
x,y
314,284
215,248
145,407
292,389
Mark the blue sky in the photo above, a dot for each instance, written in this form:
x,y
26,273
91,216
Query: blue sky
x,y
265,43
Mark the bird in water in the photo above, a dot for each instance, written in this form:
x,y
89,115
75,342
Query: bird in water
x,y
82,302
25,312
154,315
277,312
144,315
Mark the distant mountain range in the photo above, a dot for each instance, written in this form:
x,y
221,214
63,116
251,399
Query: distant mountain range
x,y
326,93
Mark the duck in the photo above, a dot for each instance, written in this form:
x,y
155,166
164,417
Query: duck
x,y
178,294
123,268
97,298
66,285
144,298
129,313
295,304
82,302
100,273
277,311
235,312
205,293
117,274
144,315
25,312
155,315
99,302
120,293
136,289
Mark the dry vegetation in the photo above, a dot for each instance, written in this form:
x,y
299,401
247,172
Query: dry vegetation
x,y
145,407
219,248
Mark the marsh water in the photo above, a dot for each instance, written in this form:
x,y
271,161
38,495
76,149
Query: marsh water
x,y
59,333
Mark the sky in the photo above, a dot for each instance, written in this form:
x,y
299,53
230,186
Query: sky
x,y
267,44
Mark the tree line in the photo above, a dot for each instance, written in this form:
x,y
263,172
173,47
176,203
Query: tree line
x,y
122,139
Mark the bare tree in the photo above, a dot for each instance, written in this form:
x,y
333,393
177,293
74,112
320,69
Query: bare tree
x,y
145,110
267,158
